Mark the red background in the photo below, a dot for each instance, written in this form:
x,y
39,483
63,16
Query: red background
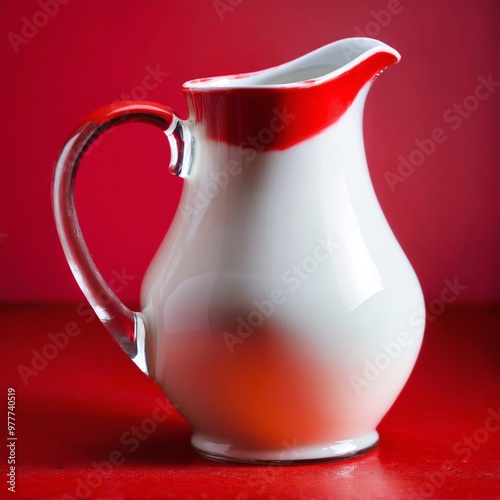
x,y
73,409
91,53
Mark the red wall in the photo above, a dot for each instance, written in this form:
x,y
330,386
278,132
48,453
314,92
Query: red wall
x,y
86,54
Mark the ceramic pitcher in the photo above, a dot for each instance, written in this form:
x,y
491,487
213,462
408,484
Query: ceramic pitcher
x,y
279,313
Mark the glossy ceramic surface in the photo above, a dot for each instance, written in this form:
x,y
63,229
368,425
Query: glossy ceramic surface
x,y
280,308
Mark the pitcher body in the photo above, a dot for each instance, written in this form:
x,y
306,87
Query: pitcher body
x,y
281,316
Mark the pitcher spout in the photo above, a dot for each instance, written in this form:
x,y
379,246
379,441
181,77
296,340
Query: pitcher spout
x,y
313,91
323,64
330,62
370,55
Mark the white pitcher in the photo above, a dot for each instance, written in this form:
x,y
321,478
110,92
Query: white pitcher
x,y
280,314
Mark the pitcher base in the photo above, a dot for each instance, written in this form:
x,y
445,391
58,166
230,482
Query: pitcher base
x,y
289,454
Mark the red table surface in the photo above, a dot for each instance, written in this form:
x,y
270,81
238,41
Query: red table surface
x,y
441,439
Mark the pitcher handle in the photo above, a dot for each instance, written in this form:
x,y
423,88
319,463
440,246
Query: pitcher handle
x,y
126,326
